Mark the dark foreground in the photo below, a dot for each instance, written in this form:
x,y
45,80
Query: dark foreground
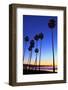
x,y
25,72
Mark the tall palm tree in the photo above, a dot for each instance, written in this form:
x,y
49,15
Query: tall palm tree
x,y
40,37
30,55
26,39
36,39
32,43
30,49
36,51
51,25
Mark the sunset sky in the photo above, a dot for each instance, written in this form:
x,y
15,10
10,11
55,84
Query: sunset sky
x,y
35,24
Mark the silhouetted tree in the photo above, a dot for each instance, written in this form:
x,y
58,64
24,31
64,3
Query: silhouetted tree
x,y
51,25
36,51
30,49
36,37
26,39
32,43
40,37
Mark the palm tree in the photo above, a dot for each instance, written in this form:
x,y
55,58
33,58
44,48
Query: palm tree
x,y
51,25
32,43
36,39
30,49
26,39
36,51
40,37
30,55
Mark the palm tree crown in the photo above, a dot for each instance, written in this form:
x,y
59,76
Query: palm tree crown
x,y
26,38
36,37
32,43
51,23
36,50
30,48
41,36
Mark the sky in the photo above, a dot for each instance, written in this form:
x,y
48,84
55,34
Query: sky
x,y
33,25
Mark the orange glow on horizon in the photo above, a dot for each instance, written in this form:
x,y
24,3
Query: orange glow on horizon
x,y
43,62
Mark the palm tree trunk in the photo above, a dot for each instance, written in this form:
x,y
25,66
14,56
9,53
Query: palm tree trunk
x,y
53,53
36,61
30,58
24,52
36,56
40,54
